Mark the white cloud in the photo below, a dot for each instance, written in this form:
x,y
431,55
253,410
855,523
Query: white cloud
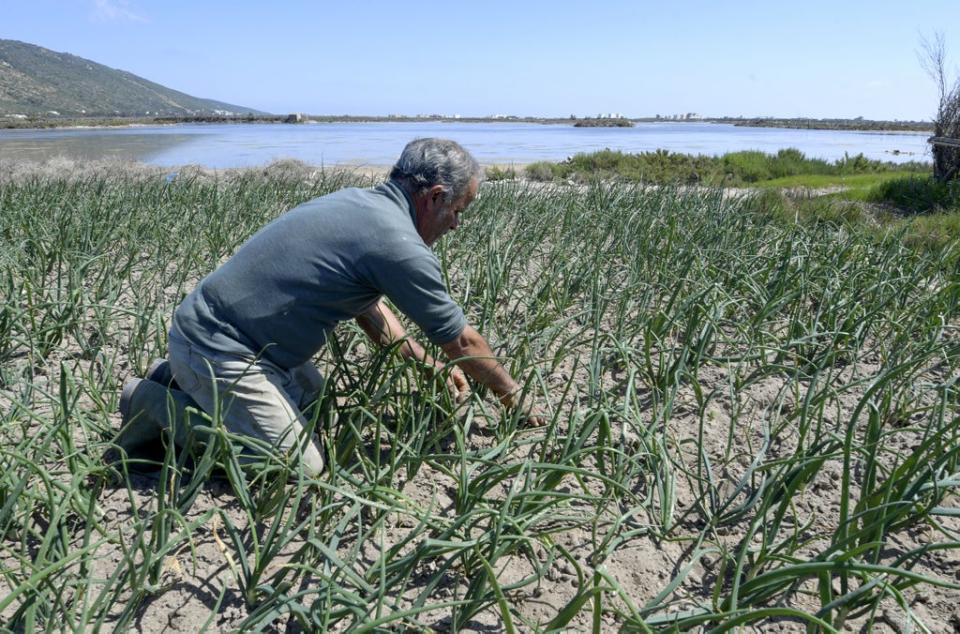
x,y
115,10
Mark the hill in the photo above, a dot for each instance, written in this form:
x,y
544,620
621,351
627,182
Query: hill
x,y
37,81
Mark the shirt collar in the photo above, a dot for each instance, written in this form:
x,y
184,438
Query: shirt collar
x,y
401,197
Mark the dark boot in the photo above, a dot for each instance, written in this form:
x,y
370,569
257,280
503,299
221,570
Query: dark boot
x,y
145,410
160,372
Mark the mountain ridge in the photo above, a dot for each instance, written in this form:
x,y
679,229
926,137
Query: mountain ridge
x,y
38,81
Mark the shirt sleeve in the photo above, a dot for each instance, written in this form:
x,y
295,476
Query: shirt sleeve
x,y
413,281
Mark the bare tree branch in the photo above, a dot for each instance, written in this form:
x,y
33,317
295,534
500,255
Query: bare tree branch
x,y
933,59
932,55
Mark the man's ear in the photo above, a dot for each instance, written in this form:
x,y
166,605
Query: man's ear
x,y
436,195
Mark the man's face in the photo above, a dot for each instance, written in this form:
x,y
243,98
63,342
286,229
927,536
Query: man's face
x,y
435,217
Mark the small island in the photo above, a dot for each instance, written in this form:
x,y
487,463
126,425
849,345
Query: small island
x,y
604,122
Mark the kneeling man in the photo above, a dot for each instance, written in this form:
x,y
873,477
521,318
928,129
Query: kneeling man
x,y
247,333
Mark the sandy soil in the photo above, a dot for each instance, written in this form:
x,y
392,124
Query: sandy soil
x,y
200,586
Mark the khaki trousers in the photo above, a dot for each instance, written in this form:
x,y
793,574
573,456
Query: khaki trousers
x,y
256,398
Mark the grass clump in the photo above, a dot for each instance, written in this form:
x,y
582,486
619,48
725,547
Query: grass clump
x,y
496,173
918,195
544,171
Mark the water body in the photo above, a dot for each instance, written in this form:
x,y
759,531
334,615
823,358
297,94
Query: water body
x,y
378,144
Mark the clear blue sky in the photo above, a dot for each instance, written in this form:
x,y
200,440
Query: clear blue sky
x,y
816,58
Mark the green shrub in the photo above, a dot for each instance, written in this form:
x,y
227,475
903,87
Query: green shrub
x,y
831,210
792,162
918,195
770,202
749,166
933,231
820,209
497,173
541,171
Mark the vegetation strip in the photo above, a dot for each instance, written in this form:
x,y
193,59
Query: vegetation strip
x,y
753,420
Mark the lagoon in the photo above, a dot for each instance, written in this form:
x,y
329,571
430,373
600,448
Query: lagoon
x,y
378,144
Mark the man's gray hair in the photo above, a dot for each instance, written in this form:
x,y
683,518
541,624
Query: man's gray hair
x,y
428,162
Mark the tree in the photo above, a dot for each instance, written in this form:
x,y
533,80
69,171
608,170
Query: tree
x,y
933,58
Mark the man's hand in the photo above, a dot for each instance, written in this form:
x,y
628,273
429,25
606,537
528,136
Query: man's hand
x,y
535,416
383,327
454,380
471,352
457,384
531,413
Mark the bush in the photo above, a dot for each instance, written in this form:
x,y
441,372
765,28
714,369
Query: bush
x,y
497,173
918,195
933,231
792,162
821,209
541,171
831,210
748,167
772,203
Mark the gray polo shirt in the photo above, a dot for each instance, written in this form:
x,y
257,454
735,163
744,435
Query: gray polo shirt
x,y
328,260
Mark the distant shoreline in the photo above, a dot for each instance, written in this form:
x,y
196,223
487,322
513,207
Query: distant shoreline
x,y
863,125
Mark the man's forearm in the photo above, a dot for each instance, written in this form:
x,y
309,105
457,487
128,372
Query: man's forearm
x,y
383,327
471,352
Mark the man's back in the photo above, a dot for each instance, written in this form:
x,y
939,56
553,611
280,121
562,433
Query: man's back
x,y
323,262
